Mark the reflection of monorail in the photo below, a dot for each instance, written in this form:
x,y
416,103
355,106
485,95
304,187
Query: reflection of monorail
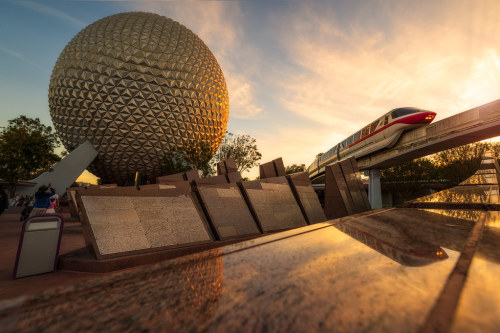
x,y
382,133
416,254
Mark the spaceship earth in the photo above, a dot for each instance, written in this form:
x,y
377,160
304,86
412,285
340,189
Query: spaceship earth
x,y
137,86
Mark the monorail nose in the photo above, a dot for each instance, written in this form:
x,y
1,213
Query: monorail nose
x,y
430,116
424,117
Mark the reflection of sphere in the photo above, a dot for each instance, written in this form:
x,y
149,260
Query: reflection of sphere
x,y
137,85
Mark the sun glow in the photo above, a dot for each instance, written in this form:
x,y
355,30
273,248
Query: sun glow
x,y
481,86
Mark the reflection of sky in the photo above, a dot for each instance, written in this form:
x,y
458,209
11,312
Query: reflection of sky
x,y
301,75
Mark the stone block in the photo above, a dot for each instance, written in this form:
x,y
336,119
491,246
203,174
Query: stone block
x,y
221,179
162,186
234,177
74,210
355,188
221,168
356,171
228,211
152,190
126,244
267,170
177,177
109,203
102,186
279,167
306,197
127,220
273,204
230,165
338,201
192,174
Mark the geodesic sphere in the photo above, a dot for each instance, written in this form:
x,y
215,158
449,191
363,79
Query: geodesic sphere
x,y
137,85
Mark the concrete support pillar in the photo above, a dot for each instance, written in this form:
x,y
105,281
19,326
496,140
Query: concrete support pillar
x,y
374,189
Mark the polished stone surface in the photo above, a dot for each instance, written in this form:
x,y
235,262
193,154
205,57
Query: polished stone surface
x,y
480,179
388,270
478,194
486,171
313,279
478,309
480,191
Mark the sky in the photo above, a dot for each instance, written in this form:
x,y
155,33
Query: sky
x,y
301,75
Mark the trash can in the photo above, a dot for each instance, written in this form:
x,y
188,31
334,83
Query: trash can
x,y
39,245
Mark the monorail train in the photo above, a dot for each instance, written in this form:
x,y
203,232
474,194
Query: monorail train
x,y
382,133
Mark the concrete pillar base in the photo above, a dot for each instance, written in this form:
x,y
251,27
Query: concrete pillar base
x,y
374,189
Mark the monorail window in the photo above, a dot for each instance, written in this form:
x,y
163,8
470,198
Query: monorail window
x,y
356,136
373,126
386,120
403,112
366,130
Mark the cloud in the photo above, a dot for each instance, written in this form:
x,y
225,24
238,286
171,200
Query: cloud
x,y
296,144
219,25
348,75
241,95
20,57
328,68
38,7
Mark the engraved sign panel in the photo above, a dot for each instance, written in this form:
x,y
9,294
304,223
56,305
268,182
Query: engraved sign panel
x,y
123,224
275,206
228,211
310,202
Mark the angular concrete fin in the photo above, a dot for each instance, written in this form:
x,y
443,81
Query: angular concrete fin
x,y
221,168
338,201
267,170
306,197
355,169
279,167
355,188
64,173
230,165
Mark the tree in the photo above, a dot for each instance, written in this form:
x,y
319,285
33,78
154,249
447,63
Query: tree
x,y
26,149
241,147
195,155
294,168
